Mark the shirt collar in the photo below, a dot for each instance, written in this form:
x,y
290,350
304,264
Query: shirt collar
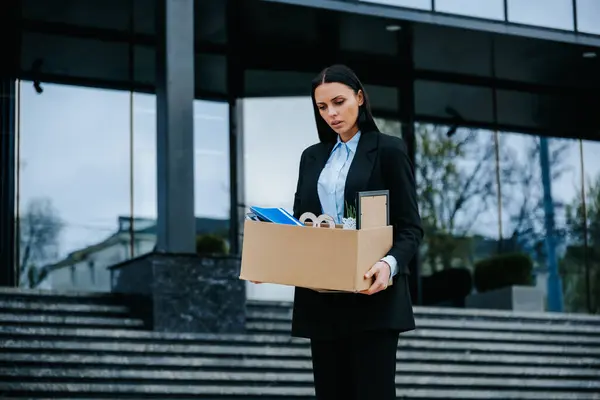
x,y
351,144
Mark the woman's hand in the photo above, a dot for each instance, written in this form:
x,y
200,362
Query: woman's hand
x,y
381,271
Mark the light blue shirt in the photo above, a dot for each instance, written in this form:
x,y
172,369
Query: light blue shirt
x,y
332,183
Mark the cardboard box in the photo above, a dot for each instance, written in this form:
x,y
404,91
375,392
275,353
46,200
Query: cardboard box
x,y
319,258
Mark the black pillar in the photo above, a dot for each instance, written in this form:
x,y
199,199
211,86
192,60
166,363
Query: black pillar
x,y
176,228
9,18
236,176
235,89
407,116
8,275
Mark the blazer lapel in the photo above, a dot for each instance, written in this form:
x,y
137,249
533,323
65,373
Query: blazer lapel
x,y
361,167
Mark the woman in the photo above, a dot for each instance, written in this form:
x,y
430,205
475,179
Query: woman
x,y
354,336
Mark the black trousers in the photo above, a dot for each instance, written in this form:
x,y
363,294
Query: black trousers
x,y
357,367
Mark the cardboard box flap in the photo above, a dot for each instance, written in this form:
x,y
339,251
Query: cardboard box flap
x,y
373,209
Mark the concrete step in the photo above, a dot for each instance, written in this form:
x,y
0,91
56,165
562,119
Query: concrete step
x,y
47,363
271,350
28,307
226,356
113,391
56,297
258,316
131,335
280,378
460,314
42,319
457,334
51,333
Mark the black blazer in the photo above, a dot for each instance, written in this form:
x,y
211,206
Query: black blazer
x,y
381,162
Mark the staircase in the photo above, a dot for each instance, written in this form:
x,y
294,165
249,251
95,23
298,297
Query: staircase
x,y
92,346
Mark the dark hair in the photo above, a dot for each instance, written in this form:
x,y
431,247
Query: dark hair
x,y
344,75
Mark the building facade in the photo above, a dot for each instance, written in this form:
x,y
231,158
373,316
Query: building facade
x,y
175,112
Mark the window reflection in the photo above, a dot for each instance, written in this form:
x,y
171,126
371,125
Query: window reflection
x,y
456,184
275,141
556,13
389,126
88,198
588,16
522,192
270,142
491,9
523,207
144,173
211,176
74,185
580,266
420,4
378,41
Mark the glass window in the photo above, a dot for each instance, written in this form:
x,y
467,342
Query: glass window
x,y
277,24
520,183
144,174
457,191
454,102
275,141
440,48
389,126
78,203
144,61
276,131
523,213
210,21
144,160
270,83
107,14
492,9
383,98
211,73
104,14
588,16
581,265
73,183
75,57
547,112
544,62
546,13
372,37
565,172
420,4
211,170
522,188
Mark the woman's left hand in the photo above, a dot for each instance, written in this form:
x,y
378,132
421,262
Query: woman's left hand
x,y
381,272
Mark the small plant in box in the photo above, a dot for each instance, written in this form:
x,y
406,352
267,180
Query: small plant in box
x,y
349,221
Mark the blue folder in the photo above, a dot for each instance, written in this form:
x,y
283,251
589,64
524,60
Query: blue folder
x,y
275,215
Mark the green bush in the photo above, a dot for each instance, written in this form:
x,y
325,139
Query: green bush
x,y
448,285
211,244
502,271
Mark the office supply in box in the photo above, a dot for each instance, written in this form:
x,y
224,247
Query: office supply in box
x,y
252,216
372,209
276,215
